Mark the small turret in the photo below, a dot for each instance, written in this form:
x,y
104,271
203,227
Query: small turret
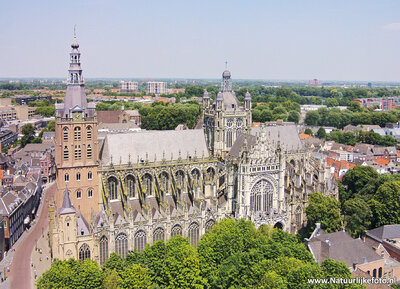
x,y
206,99
247,101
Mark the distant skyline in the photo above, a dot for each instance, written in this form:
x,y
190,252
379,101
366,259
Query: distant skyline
x,y
298,40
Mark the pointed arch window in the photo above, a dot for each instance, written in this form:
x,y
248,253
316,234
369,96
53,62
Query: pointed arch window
x,y
77,133
130,186
113,188
84,252
89,175
176,230
147,179
78,176
90,193
298,217
261,196
229,138
66,178
65,133
121,245
158,234
209,225
103,250
89,151
140,240
66,153
89,133
164,182
180,178
78,194
196,176
194,234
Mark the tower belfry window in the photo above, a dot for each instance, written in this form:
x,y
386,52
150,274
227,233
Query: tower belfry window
x,y
78,152
89,151
77,133
66,153
65,134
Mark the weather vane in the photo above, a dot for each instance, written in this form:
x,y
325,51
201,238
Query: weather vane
x,y
74,30
226,64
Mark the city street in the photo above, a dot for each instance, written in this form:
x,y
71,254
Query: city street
x,y
20,271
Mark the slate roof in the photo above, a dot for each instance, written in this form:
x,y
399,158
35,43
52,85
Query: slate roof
x,y
341,247
385,232
153,143
67,206
289,135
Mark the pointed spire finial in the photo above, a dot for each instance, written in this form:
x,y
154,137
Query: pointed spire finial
x,y
226,64
74,30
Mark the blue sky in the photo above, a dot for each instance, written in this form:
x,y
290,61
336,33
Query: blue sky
x,y
303,39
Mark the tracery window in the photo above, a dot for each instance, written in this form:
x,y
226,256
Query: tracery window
x,y
147,179
298,217
180,178
77,133
209,225
261,196
113,188
229,138
176,230
210,174
158,234
196,176
194,234
103,250
65,133
140,240
84,252
121,245
130,186
164,182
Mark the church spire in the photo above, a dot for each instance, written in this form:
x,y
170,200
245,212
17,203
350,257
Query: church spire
x,y
226,84
75,97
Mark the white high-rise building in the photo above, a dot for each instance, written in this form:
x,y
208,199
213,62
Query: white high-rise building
x,y
128,86
156,87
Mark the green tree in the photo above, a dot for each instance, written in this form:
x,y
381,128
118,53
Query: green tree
x,y
112,280
358,216
330,102
135,277
308,131
114,262
28,131
321,133
356,181
51,126
294,116
271,280
386,204
325,210
355,106
61,274
312,118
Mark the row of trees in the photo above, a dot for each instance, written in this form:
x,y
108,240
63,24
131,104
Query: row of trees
x,y
351,138
340,118
274,110
367,200
234,254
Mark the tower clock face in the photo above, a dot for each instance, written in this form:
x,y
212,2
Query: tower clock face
x,y
77,116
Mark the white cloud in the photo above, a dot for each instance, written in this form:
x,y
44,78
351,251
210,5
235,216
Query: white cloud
x,y
392,26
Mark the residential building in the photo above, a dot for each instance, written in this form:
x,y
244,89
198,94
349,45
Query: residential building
x,y
156,87
128,86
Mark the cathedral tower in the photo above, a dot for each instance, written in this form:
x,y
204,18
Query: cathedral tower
x,y
225,119
76,144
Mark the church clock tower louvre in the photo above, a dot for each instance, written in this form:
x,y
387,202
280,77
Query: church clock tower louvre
x,y
76,144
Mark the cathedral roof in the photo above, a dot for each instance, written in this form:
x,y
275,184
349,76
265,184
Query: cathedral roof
x,y
288,136
151,145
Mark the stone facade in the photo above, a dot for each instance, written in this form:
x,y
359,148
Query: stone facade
x,y
153,185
